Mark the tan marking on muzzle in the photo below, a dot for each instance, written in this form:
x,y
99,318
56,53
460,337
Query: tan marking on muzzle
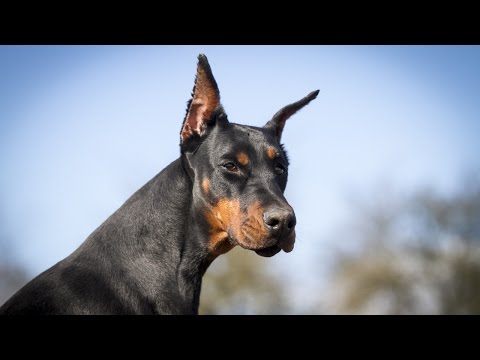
x,y
245,227
253,230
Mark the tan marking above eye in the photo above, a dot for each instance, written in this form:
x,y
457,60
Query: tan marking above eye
x,y
242,158
271,152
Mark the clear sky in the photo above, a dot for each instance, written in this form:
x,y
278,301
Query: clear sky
x,y
83,127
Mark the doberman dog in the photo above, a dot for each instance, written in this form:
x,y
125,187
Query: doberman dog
x,y
226,189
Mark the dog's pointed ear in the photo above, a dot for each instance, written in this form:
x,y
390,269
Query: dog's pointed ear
x,y
278,121
205,100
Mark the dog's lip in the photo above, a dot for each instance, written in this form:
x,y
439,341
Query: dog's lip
x,y
288,244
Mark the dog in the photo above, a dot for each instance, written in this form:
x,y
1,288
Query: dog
x,y
149,257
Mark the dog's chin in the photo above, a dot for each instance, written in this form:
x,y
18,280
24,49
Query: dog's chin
x,y
268,251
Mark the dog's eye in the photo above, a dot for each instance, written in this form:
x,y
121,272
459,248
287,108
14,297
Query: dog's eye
x,y
231,167
280,170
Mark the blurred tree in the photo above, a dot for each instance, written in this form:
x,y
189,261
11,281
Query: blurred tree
x,y
12,276
418,254
239,283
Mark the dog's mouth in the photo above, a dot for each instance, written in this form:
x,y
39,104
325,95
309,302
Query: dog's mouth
x,y
285,245
271,250
266,247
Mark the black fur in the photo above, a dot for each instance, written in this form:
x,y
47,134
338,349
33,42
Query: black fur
x,y
150,255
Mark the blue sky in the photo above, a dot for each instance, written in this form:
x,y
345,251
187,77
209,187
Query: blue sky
x,y
83,127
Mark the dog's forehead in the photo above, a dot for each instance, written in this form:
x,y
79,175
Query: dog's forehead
x,y
255,138
244,143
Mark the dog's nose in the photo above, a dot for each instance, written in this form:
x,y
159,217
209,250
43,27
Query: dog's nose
x,y
279,220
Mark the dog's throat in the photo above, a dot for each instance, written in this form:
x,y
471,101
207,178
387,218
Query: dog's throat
x,y
219,243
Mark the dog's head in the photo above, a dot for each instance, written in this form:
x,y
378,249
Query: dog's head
x,y
239,172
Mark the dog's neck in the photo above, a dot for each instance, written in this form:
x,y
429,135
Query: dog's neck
x,y
177,231
160,245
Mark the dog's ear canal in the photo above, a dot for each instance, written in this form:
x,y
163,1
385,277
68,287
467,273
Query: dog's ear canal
x,y
204,102
278,120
